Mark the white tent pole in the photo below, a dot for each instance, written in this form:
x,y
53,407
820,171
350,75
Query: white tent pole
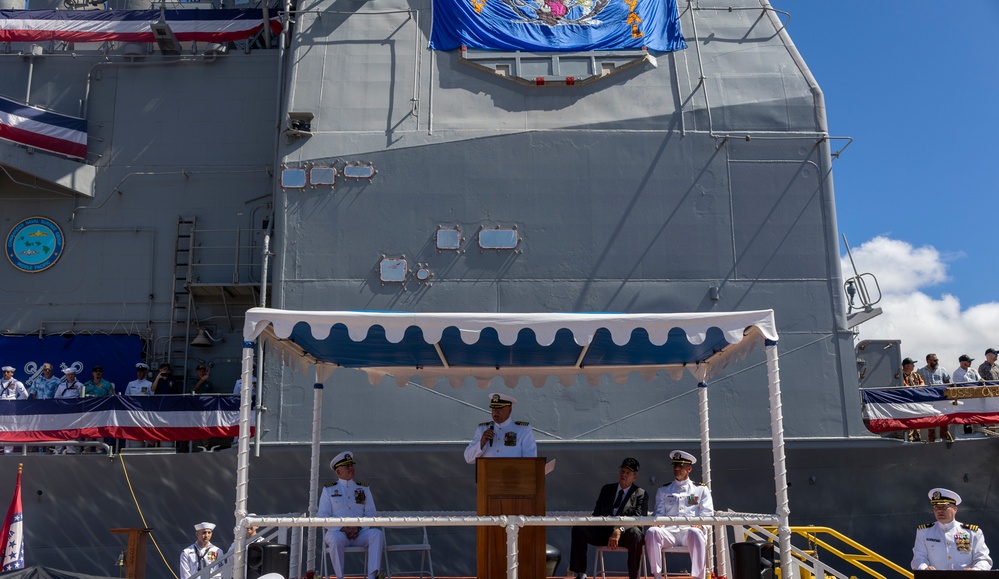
x,y
702,397
317,425
780,466
243,458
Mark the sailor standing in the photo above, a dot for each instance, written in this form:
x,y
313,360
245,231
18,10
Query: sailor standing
x,y
11,389
201,554
501,437
948,544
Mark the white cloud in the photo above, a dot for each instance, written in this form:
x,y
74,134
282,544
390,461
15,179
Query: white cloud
x,y
924,324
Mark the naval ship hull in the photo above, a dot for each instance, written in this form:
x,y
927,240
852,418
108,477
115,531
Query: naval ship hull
x,y
863,489
698,180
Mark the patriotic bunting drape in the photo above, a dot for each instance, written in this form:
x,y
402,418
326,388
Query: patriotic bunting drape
x,y
891,409
150,418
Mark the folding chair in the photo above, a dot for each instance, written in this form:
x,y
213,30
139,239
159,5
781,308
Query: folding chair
x,y
600,568
422,545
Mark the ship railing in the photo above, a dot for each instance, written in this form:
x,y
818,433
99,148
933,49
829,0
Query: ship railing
x,y
47,446
511,523
806,562
226,256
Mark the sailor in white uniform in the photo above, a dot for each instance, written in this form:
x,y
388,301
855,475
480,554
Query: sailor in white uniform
x,y
947,543
11,389
140,386
501,437
680,498
348,498
201,554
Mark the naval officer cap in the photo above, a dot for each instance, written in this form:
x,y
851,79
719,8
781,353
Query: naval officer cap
x,y
497,400
7,368
941,496
680,457
141,365
203,526
345,458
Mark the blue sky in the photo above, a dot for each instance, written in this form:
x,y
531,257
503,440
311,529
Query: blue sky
x,y
916,84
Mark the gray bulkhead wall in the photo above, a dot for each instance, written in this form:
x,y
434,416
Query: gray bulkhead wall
x,y
192,138
625,193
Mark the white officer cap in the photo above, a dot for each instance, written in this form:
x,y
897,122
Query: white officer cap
x,y
141,365
69,370
345,458
203,526
497,400
680,457
941,496
7,368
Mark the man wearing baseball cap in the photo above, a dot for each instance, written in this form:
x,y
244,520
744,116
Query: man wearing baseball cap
x,y
946,543
965,373
349,498
501,437
680,498
201,553
988,370
621,499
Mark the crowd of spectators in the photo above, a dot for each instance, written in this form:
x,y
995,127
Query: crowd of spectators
x,y
933,374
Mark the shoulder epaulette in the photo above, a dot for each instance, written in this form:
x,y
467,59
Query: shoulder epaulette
x,y
969,527
484,424
666,485
332,484
360,484
522,423
926,526
700,484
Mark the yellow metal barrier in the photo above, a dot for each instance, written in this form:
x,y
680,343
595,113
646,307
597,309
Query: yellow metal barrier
x,y
857,559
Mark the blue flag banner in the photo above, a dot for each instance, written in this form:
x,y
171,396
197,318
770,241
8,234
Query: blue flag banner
x,y
557,25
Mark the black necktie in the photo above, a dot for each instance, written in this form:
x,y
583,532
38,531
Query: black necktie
x,y
617,501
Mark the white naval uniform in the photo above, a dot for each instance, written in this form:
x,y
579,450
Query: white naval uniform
x,y
679,499
953,546
513,439
12,389
193,559
67,390
347,498
141,387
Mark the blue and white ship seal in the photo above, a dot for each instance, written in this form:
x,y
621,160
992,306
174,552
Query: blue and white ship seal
x,y
35,244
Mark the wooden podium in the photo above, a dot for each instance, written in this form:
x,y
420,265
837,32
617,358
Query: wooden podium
x,y
135,557
510,486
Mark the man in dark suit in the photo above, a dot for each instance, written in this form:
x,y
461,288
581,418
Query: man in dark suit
x,y
621,499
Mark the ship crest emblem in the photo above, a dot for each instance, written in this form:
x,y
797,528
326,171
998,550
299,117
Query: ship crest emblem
x,y
35,244
556,12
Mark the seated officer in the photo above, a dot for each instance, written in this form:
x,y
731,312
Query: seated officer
x,y
347,498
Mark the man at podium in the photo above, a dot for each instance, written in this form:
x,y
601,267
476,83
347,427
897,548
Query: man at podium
x,y
946,543
501,437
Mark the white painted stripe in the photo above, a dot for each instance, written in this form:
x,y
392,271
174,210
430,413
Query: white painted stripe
x,y
33,126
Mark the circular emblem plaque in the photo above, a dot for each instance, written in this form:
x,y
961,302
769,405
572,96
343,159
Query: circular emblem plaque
x,y
34,244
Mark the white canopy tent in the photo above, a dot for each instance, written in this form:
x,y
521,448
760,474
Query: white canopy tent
x,y
484,346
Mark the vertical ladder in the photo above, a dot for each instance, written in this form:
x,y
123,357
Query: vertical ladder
x,y
182,301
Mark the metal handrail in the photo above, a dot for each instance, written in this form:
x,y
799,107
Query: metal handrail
x,y
866,555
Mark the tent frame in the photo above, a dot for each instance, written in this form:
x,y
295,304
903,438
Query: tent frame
x,y
262,321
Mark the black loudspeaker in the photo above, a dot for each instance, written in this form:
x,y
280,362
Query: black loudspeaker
x,y
753,560
264,558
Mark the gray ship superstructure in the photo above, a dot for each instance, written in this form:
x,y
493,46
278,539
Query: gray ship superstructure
x,y
388,176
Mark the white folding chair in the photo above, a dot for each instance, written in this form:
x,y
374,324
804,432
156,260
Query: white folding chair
x,y
600,568
346,551
421,544
674,549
